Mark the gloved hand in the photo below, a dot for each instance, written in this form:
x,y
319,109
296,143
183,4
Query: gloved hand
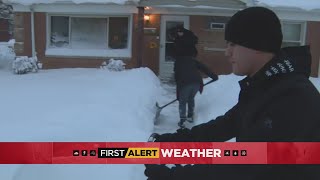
x,y
158,172
182,135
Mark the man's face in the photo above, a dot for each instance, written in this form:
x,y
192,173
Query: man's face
x,y
243,59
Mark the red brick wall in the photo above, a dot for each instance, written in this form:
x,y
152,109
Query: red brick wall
x,y
27,35
4,30
26,31
313,39
209,39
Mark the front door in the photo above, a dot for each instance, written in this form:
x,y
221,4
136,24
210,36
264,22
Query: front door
x,y
168,24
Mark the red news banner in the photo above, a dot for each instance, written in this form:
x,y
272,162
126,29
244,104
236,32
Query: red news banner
x,y
158,153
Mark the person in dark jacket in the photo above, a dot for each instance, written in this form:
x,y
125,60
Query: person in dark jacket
x,y
187,75
277,103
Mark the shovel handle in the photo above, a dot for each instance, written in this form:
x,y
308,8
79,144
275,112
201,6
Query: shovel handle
x,y
169,103
177,99
212,80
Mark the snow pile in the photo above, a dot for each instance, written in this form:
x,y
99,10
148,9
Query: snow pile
x,y
30,2
302,4
7,54
114,65
24,64
77,105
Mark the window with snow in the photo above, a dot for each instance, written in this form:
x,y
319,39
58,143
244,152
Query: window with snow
x,y
88,33
59,36
98,33
293,34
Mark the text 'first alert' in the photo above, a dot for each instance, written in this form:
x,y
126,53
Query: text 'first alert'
x,y
154,153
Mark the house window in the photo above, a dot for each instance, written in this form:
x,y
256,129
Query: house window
x,y
79,35
293,34
59,31
118,32
4,30
88,33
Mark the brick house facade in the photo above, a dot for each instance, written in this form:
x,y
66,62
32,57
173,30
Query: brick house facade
x,y
206,23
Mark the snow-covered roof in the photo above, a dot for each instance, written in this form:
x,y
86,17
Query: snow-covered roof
x,y
302,4
194,3
30,2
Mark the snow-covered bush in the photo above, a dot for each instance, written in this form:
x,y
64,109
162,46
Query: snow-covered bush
x,y
114,65
24,64
7,55
58,40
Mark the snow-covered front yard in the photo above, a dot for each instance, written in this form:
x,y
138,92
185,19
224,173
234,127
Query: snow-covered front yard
x,y
82,105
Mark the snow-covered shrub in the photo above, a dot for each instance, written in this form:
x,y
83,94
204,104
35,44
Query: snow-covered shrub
x,y
114,65
7,55
58,40
24,64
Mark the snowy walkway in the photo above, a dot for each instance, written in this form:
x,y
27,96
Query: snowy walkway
x,y
215,100
169,116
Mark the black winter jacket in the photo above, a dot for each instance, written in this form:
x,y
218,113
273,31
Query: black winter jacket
x,y
187,71
277,104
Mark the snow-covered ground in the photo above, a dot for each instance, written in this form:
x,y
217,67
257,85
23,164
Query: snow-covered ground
x,y
95,105
82,105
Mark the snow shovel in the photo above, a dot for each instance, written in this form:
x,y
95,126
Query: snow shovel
x,y
159,108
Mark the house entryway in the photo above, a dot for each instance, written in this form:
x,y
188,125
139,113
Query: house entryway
x,y
167,32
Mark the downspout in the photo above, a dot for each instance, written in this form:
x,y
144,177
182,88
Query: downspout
x,y
32,32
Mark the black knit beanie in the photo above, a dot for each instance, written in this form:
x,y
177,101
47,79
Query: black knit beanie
x,y
256,28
